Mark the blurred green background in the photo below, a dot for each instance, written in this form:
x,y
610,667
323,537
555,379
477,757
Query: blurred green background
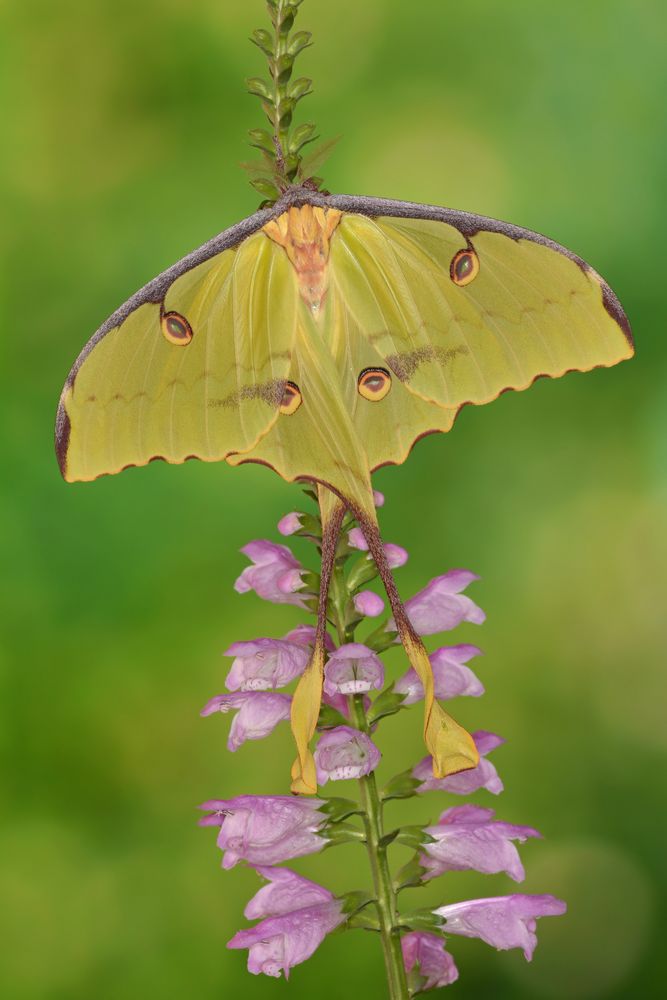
x,y
123,124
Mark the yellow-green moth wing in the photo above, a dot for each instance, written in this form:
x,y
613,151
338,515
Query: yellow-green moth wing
x,y
329,333
525,308
195,367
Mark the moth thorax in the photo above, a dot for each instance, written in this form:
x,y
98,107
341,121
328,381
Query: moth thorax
x,y
305,233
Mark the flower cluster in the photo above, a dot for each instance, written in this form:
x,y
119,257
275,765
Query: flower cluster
x,y
294,914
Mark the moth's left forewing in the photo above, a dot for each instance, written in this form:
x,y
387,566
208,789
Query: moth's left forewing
x,y
135,396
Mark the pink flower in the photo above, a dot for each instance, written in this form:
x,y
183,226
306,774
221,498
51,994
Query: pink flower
x,y
275,574
441,606
353,669
378,498
279,943
452,678
345,753
504,921
467,837
305,634
465,782
396,556
265,829
356,540
259,712
368,604
263,664
285,892
427,952
289,524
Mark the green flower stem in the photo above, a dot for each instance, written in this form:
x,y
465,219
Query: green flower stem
x,y
339,598
382,881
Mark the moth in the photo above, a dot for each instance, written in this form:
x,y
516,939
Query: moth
x,y
323,337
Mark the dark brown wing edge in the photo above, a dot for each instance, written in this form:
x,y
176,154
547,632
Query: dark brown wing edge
x,y
467,224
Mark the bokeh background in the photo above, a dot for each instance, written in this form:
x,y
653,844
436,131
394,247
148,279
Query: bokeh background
x,y
123,125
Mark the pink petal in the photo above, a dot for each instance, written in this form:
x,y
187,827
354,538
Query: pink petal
x,y
503,922
427,952
353,669
466,782
345,753
289,524
369,604
285,892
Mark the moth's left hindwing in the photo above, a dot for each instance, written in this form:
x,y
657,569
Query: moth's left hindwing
x,y
200,373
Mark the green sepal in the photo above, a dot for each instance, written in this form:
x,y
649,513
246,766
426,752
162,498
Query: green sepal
x,y
381,639
389,838
311,582
302,136
301,40
261,139
266,189
284,68
410,876
421,920
263,39
342,833
337,809
299,89
414,836
386,704
362,571
402,786
416,982
330,718
259,88
355,901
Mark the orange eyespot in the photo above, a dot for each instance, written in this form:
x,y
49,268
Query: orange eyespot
x,y
464,267
374,384
176,329
292,399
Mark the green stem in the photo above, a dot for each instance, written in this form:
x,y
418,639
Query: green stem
x,y
382,881
372,814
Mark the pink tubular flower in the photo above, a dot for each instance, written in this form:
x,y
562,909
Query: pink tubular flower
x,y
356,540
368,604
353,669
289,524
452,677
466,782
286,891
264,664
504,921
468,838
279,943
345,753
275,574
259,712
396,556
441,606
427,952
265,829
305,635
